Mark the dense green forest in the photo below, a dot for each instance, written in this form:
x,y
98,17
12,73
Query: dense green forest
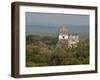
x,y
42,51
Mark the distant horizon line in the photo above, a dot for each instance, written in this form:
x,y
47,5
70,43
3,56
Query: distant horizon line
x,y
68,25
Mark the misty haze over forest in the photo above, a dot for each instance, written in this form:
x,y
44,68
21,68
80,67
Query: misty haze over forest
x,y
47,24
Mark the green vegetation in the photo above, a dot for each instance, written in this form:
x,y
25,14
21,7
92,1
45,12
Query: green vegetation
x,y
42,51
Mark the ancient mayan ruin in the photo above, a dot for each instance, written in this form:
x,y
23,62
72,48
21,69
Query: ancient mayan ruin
x,y
67,39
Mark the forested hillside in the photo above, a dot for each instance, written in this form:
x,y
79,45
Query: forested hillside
x,y
42,51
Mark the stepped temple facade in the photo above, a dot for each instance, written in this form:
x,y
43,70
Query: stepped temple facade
x,y
67,39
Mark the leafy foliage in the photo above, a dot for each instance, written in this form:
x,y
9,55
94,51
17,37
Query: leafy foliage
x,y
41,51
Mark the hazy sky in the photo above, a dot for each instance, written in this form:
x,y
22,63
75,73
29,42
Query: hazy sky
x,y
39,22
